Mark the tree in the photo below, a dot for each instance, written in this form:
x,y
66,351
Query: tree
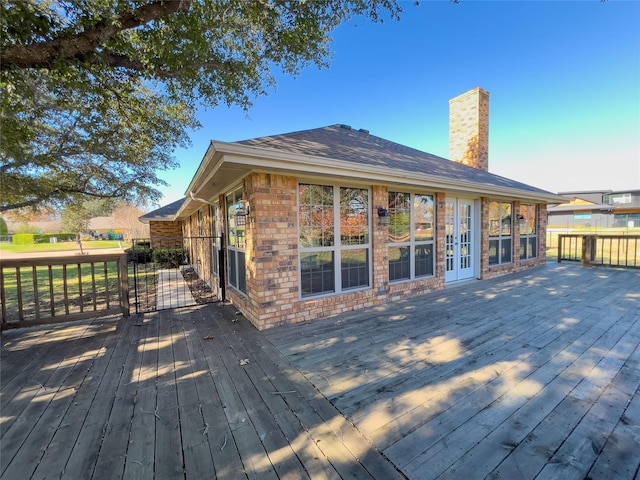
x,y
97,95
126,217
75,219
4,230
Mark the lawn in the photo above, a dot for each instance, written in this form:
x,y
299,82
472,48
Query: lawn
x,y
61,246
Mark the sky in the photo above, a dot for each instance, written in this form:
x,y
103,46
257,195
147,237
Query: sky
x,y
563,78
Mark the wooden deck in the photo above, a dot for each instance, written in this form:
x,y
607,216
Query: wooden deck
x,y
192,393
535,375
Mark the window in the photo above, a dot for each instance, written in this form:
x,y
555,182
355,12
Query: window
x,y
499,233
617,198
216,233
236,221
334,231
528,231
411,236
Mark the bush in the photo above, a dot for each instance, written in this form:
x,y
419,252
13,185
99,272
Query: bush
x,y
139,254
170,257
24,239
4,230
46,237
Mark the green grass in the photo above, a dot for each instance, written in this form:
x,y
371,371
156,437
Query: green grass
x,y
58,247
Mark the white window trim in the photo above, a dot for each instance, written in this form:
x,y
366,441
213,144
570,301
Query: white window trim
x,y
412,243
337,247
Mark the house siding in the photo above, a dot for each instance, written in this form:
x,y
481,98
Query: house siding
x,y
158,230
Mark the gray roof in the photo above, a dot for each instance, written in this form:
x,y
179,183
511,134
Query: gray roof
x,y
163,214
341,142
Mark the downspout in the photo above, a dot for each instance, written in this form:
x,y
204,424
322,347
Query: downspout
x,y
221,255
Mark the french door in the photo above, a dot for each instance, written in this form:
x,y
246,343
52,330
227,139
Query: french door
x,y
460,239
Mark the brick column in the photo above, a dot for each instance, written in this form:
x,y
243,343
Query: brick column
x,y
379,241
272,249
515,232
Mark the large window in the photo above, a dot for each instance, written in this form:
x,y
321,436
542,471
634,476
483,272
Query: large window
x,y
528,231
411,235
236,224
334,231
216,233
499,233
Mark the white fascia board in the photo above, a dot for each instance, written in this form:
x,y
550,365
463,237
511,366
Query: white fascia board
x,y
270,159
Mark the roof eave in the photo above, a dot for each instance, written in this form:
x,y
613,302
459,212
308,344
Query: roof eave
x,y
258,157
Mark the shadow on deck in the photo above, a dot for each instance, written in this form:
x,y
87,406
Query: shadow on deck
x,y
532,375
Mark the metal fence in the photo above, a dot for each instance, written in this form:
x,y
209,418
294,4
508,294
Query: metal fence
x,y
172,272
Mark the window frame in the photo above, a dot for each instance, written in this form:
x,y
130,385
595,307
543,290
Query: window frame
x,y
412,243
236,250
307,255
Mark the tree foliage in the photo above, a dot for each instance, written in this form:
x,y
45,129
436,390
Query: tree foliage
x,y
97,95
75,219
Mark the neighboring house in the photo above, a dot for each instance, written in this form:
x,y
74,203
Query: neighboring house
x,y
163,223
602,208
325,221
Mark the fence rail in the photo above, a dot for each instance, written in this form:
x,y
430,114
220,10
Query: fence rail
x,y
605,250
57,289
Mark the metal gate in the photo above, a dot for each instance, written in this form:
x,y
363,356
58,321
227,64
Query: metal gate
x,y
175,272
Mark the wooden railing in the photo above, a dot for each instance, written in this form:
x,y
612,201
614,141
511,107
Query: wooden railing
x,y
606,250
57,289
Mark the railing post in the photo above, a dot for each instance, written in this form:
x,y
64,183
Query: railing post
x,y
560,242
587,250
124,285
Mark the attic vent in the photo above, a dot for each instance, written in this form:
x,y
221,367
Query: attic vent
x,y
348,127
364,131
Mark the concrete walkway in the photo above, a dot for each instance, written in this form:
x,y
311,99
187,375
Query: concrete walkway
x,y
173,291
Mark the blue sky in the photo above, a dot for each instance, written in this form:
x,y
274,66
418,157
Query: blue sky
x,y
564,79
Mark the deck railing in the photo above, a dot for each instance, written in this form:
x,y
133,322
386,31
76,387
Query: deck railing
x,y
57,289
606,250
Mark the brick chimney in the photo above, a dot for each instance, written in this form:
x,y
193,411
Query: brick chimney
x,y
469,129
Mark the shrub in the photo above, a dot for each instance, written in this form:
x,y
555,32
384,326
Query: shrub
x,y
24,239
139,254
46,237
4,230
170,257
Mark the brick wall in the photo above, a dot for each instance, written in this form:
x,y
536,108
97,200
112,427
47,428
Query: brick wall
x,y
469,129
159,230
273,290
516,265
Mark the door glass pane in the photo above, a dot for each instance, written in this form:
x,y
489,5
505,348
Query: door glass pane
x,y
465,235
449,236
